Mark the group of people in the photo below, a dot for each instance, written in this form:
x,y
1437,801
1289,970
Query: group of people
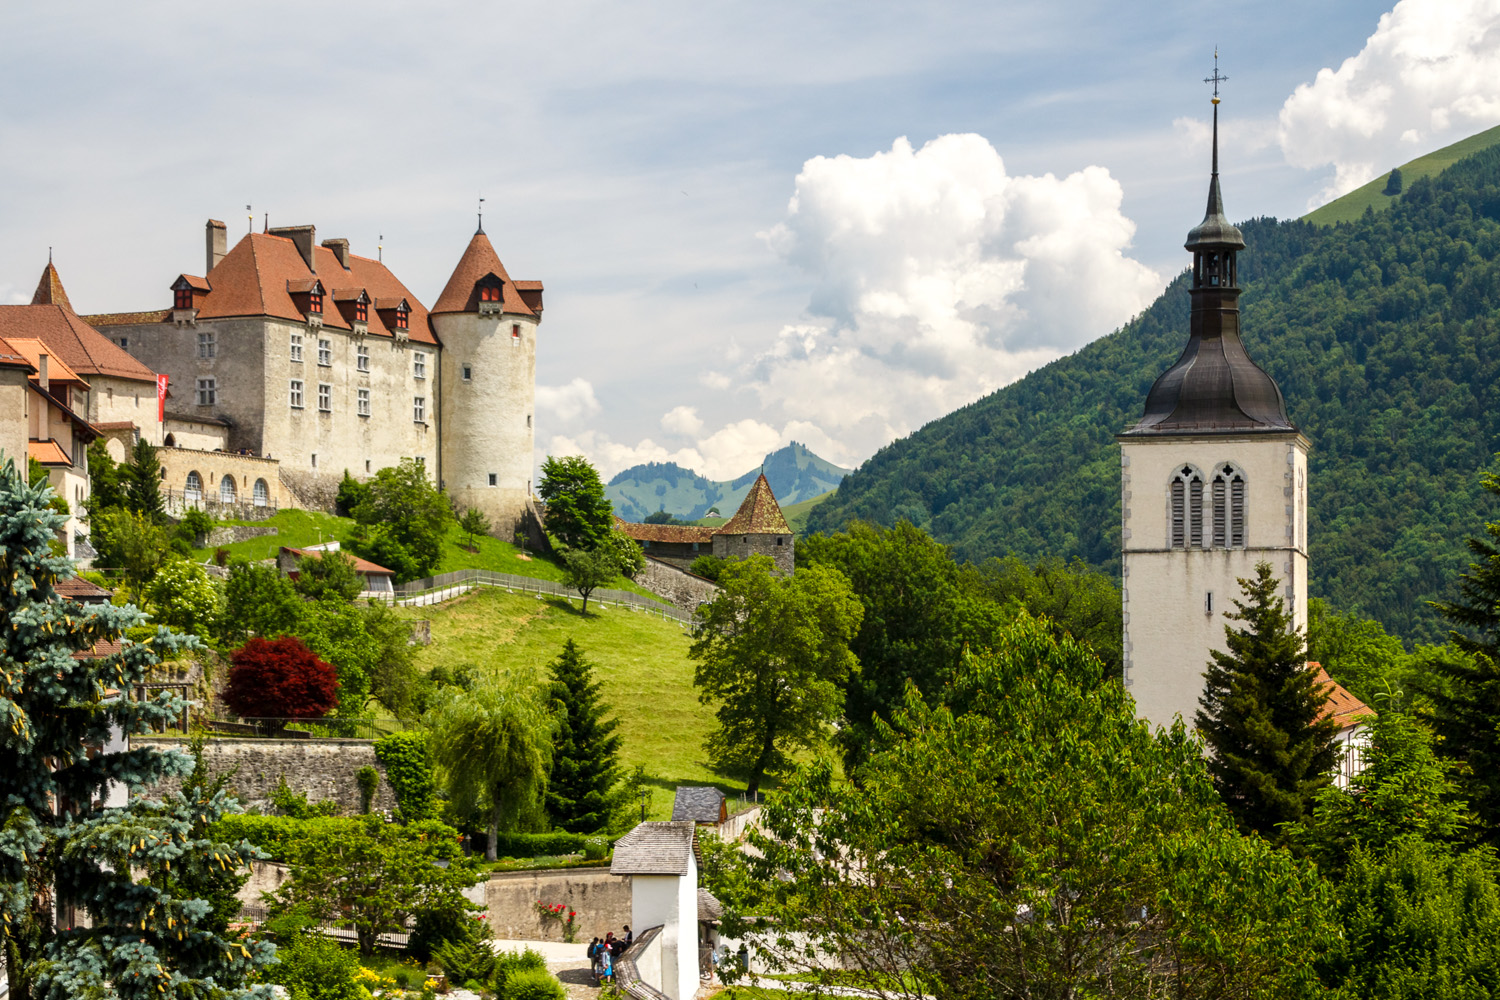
x,y
602,953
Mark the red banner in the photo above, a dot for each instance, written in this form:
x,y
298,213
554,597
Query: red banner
x,y
161,398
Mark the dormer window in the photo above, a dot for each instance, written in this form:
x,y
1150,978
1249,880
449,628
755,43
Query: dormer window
x,y
315,302
361,311
403,317
182,297
489,293
307,295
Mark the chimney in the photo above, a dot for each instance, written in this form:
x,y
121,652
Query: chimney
x,y
218,244
340,250
304,236
41,370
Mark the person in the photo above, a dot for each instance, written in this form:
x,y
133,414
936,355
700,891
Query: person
x,y
629,938
593,955
606,966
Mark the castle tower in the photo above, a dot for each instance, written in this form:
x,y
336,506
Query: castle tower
x,y
757,528
1214,481
487,324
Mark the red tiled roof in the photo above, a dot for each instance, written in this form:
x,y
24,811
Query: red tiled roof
x,y
32,350
362,565
48,452
69,338
256,277
1341,706
100,649
79,589
760,514
10,357
461,294
680,534
127,319
196,283
49,291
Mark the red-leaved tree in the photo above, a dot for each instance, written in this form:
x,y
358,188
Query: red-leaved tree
x,y
280,678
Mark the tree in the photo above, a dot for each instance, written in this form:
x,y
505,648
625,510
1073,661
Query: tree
x,y
330,576
412,515
586,750
1393,183
773,652
258,600
130,867
1261,715
474,523
408,769
1076,599
142,479
578,512
625,551
377,875
182,597
130,541
1031,838
493,748
280,678
351,494
586,570
106,488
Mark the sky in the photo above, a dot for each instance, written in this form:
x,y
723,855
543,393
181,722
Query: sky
x,y
823,222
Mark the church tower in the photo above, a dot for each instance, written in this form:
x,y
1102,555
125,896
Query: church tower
x,y
1214,481
488,325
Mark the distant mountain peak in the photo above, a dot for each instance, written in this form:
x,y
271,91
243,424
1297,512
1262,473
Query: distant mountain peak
x,y
794,472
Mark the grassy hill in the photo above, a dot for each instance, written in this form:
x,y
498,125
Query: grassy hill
x,y
794,472
641,660
1383,335
1352,205
797,513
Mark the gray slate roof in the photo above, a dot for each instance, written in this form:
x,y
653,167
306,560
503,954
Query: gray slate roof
x,y
699,804
654,849
709,908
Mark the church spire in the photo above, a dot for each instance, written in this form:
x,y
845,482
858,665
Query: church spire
x,y
1214,233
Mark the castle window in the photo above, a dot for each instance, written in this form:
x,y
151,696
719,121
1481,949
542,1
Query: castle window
x,y
206,346
419,409
361,311
315,302
227,492
325,352
296,347
494,479
403,316
1228,494
262,494
325,397
295,394
489,293
182,297
362,358
515,334
314,460
193,491
207,392
1208,603
124,343
419,365
364,402
468,373
1186,514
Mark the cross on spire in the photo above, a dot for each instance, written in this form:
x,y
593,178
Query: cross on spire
x,y
481,216
1216,79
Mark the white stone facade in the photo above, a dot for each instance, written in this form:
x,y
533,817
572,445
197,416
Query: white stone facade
x,y
1175,598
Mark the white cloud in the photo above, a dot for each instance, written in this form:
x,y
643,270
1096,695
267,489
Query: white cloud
x,y
682,420
939,278
567,402
1428,75
715,380
730,451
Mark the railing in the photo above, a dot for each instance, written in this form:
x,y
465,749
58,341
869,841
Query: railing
x,y
432,589
273,728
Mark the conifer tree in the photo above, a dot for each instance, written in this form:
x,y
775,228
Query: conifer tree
x,y
585,761
61,849
143,483
1260,715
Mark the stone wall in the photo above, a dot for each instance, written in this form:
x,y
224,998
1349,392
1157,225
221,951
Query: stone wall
x,y
601,900
675,585
321,769
231,533
779,547
212,468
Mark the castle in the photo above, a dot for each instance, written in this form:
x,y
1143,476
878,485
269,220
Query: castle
x,y
289,362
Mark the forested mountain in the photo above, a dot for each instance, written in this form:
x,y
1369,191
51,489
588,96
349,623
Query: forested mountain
x,y
795,474
1383,335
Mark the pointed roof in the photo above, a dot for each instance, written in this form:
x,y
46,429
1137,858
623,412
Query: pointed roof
x,y
49,291
1339,704
760,514
1215,232
461,294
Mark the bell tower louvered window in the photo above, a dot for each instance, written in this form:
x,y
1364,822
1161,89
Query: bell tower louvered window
x,y
1186,513
1228,499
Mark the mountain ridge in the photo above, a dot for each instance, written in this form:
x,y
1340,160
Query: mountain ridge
x,y
795,473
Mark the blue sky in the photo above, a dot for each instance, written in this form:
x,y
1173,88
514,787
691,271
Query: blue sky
x,y
832,222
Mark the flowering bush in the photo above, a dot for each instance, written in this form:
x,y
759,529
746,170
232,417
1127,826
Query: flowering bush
x,y
561,914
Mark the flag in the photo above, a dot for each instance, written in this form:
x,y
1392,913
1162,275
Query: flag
x,y
161,397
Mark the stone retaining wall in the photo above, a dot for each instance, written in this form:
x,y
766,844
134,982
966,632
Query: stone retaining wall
x,y
601,900
683,589
321,769
231,533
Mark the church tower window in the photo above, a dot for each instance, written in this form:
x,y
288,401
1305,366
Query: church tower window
x,y
1187,509
1228,494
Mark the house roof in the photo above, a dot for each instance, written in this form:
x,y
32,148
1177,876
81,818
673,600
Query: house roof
x,y
698,804
362,565
655,849
57,370
1341,706
760,514
78,589
10,357
51,320
47,452
710,910
674,533
50,291
461,294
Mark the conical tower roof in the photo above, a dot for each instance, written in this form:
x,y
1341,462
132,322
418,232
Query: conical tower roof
x,y
760,514
461,294
49,291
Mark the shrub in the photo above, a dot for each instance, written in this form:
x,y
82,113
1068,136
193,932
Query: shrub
x,y
512,963
595,849
280,678
295,804
532,984
369,781
276,834
408,768
465,961
439,926
312,967
708,567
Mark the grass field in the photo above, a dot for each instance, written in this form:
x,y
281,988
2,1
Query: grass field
x,y
640,659
1352,205
796,514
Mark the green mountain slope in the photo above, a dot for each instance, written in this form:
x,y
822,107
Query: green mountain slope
x,y
1384,338
1351,206
795,474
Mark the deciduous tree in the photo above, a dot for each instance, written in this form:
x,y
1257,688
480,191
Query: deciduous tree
x,y
586,570
330,576
474,523
181,596
258,600
585,758
280,678
402,510
773,653
578,513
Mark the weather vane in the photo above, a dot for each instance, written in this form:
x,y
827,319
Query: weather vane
x,y
481,213
1216,79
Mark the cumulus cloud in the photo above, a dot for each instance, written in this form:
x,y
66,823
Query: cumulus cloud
x,y
1429,75
567,402
682,420
730,451
938,278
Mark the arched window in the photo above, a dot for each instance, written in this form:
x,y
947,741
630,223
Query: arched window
x,y
1228,508
1187,509
193,492
170,442
262,493
227,492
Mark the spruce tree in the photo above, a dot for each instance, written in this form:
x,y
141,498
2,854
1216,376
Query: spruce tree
x,y
1272,754
143,483
585,761
1466,702
64,702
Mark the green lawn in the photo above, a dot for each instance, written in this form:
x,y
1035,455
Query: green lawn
x,y
641,660
796,514
1352,205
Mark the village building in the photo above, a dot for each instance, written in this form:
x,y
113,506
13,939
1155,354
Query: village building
x,y
377,581
757,528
